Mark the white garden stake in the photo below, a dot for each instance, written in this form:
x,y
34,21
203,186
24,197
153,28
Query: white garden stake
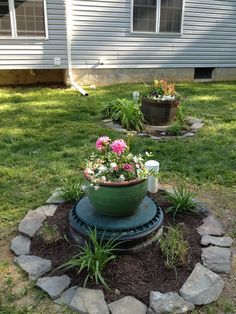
x,y
136,96
152,181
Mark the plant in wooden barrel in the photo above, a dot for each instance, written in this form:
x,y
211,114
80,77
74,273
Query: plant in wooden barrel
x,y
117,179
160,103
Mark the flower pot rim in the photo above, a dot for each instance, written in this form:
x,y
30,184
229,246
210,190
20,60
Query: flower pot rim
x,y
167,101
112,184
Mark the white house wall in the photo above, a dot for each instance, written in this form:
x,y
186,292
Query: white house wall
x,y
38,53
101,30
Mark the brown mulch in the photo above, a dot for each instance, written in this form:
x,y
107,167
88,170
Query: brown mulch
x,y
131,274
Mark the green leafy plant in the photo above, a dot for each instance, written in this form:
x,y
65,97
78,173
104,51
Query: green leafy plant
x,y
73,189
175,128
174,247
50,233
127,112
93,258
182,200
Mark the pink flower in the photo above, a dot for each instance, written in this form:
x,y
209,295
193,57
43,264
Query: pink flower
x,y
128,167
118,147
102,142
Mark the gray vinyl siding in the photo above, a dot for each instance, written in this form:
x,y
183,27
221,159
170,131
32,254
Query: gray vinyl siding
x,y
38,53
101,29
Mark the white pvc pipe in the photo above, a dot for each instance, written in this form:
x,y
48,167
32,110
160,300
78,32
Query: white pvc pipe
x,y
68,33
152,180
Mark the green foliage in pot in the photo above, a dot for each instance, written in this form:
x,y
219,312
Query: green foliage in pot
x,y
161,90
127,112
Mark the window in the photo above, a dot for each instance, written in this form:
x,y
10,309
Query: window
x,y
164,16
203,73
22,18
5,20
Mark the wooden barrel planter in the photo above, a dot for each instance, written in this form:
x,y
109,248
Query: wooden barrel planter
x,y
157,112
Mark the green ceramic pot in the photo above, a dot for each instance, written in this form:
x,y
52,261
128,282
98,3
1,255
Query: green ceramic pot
x,y
117,199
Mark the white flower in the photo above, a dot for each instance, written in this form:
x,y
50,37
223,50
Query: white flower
x,y
136,159
96,187
113,165
168,98
121,178
103,178
89,171
137,166
102,168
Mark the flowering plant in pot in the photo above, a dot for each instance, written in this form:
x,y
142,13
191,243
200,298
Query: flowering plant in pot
x,y
117,179
160,103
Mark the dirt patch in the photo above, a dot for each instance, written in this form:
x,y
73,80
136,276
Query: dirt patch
x,y
132,274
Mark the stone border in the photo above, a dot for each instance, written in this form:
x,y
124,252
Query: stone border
x,y
194,125
203,286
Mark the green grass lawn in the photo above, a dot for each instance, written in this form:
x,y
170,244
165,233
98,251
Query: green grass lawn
x,y
46,135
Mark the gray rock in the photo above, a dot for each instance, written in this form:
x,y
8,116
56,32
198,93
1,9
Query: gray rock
x,y
188,134
211,226
143,134
127,305
67,296
218,241
88,301
203,286
56,197
217,259
35,266
156,138
54,286
20,245
107,120
192,120
196,126
201,207
31,223
170,302
159,128
47,210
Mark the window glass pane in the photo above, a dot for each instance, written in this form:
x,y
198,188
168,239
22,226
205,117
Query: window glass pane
x,y
171,16
30,18
144,15
5,21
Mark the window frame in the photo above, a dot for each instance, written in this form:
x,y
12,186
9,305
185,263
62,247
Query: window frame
x,y
158,19
14,27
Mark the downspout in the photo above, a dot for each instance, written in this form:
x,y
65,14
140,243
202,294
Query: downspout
x,y
68,33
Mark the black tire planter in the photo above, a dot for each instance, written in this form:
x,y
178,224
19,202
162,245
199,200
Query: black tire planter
x,y
157,112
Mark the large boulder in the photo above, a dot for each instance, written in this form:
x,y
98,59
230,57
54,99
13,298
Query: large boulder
x,y
217,259
203,286
127,305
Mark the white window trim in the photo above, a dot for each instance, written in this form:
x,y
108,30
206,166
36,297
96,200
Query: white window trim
x,y
14,27
158,17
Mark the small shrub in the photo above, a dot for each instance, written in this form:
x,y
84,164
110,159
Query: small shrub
x,y
175,128
182,201
93,258
174,247
127,112
73,189
50,233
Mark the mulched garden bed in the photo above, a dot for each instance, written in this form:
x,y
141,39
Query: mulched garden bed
x,y
132,274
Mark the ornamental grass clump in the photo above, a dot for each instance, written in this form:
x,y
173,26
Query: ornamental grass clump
x,y
127,112
113,162
182,200
174,247
93,258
